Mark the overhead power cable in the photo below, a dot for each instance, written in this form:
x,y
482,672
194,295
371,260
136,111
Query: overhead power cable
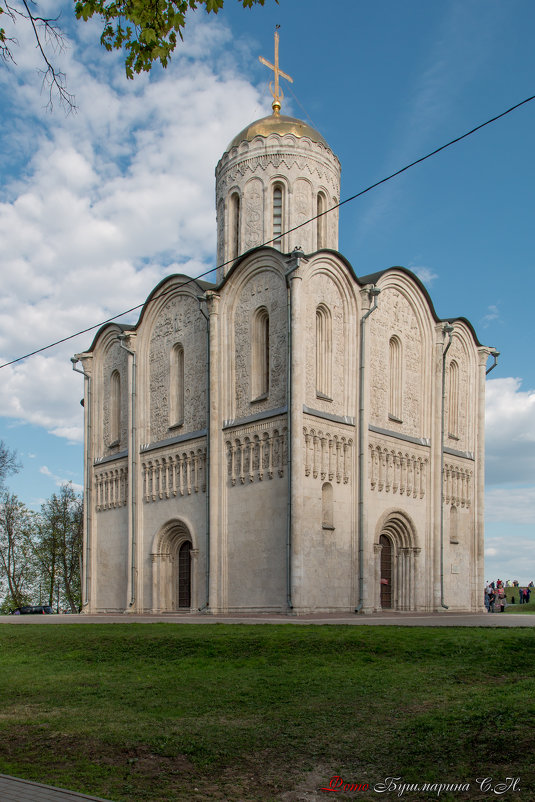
x,y
278,237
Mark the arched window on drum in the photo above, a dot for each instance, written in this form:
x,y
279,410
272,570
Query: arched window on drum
x,y
234,226
277,216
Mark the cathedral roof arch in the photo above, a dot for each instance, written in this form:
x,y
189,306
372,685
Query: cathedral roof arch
x,y
107,335
339,271
374,278
243,262
170,286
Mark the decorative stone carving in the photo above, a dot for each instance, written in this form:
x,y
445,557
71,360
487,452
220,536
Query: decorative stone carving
x,y
457,484
180,322
396,316
256,452
115,359
253,214
179,472
254,167
111,487
327,456
392,470
322,290
264,289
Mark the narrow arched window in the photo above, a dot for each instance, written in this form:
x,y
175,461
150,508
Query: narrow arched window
x,y
321,222
234,226
453,400
323,352
260,354
277,217
115,408
176,386
395,403
327,521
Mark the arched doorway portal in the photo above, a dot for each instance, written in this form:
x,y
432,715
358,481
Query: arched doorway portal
x,y
395,566
173,575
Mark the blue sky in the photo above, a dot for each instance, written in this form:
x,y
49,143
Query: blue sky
x,y
96,207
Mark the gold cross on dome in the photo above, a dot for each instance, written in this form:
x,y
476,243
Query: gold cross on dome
x,y
277,92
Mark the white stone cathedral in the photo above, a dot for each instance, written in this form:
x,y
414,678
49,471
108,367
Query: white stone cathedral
x,y
293,438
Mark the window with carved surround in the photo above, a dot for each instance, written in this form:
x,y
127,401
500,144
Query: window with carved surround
x,y
453,400
176,386
323,352
321,222
234,226
395,401
260,354
277,217
115,408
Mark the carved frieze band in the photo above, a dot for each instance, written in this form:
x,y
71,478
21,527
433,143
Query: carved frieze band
x,y
457,483
286,160
256,453
111,488
328,456
400,472
174,474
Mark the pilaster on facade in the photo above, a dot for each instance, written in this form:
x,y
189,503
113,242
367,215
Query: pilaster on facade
x,y
295,418
217,547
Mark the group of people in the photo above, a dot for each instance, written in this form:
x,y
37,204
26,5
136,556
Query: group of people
x,y
495,595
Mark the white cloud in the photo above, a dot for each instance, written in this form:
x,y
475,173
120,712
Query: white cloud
x,y
510,432
510,557
58,480
425,274
110,200
492,315
512,505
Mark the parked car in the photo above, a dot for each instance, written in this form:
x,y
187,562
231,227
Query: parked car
x,y
40,609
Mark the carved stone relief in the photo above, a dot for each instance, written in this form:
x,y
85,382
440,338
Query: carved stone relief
x,y
462,439
253,214
323,290
180,322
395,316
115,359
264,289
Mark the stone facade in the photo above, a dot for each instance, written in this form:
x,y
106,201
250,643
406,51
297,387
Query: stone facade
x,y
293,437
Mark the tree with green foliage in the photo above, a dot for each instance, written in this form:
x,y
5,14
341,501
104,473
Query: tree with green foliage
x,y
147,31
8,462
17,563
57,545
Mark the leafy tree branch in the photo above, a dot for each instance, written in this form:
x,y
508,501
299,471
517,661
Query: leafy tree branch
x,y
146,30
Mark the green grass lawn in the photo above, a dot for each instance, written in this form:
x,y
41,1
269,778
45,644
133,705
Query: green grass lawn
x,y
162,712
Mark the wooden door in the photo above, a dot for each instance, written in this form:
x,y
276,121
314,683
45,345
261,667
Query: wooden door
x,y
184,575
386,572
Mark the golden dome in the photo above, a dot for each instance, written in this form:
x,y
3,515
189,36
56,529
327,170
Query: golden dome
x,y
277,124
